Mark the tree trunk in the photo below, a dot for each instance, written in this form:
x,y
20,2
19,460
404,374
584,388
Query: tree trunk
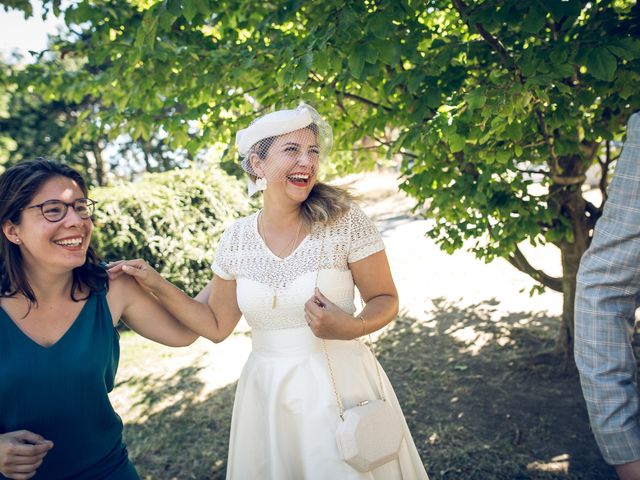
x,y
566,197
100,165
570,257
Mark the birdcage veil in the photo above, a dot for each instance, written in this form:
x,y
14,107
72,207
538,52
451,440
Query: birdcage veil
x,y
284,146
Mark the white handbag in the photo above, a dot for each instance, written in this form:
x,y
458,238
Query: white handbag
x,y
370,433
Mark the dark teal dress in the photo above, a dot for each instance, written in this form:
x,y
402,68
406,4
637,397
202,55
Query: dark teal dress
x,y
60,392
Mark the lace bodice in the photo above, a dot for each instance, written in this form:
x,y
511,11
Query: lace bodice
x,y
326,253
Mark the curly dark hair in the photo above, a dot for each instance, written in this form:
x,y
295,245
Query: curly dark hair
x,y
18,186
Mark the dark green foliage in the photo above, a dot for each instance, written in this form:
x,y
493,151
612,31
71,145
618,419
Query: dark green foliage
x,y
173,220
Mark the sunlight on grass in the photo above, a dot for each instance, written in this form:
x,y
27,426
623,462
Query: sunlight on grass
x,y
558,464
145,365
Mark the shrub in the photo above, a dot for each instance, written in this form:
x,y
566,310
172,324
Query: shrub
x,y
173,220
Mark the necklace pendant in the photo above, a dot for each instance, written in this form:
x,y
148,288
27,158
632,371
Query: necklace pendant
x,y
273,304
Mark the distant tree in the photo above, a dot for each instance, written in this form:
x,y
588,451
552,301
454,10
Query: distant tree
x,y
71,130
497,107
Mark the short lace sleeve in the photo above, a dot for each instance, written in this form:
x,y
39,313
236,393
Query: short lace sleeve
x,y
225,263
364,239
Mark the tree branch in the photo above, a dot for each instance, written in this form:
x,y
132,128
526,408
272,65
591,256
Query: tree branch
x,y
495,44
555,165
366,101
541,172
604,168
355,125
518,260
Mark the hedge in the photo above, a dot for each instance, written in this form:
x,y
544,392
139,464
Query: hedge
x,y
173,220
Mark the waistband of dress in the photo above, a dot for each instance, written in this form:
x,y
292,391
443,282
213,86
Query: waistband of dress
x,y
285,341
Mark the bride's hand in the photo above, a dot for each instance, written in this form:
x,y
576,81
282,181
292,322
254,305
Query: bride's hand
x,y
141,271
327,320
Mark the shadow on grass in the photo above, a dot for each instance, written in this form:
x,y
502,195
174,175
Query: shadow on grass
x,y
186,440
483,402
480,399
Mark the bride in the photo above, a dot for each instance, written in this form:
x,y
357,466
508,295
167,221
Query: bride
x,y
291,269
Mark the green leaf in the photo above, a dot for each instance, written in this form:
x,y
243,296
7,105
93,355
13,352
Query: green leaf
x,y
518,151
388,52
513,131
189,10
558,55
476,99
356,63
380,25
301,72
174,7
535,19
415,80
307,60
602,64
433,97
321,60
528,62
503,156
370,53
620,52
456,142
562,8
166,20
203,7
625,48
347,18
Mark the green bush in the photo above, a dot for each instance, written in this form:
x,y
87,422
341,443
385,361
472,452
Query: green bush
x,y
173,220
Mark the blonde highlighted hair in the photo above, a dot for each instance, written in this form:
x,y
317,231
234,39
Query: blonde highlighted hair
x,y
326,204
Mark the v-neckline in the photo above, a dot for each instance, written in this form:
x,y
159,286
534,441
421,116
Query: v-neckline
x,y
266,247
12,322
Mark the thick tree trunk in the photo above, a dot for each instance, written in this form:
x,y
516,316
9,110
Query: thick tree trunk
x,y
570,256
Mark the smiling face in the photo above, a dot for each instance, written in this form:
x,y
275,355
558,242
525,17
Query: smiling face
x,y
291,164
58,247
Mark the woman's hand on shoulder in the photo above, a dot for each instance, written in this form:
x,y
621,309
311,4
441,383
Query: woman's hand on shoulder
x,y
21,453
327,320
143,273
132,297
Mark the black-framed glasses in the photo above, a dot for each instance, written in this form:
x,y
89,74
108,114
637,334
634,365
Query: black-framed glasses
x,y
56,210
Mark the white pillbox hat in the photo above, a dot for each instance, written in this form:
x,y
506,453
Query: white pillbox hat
x,y
271,125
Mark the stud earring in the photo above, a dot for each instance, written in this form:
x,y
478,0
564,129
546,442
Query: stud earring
x,y
261,183
17,240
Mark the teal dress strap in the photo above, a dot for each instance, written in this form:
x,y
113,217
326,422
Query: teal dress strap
x,y
61,393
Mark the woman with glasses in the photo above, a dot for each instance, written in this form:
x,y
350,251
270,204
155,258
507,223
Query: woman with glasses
x,y
59,346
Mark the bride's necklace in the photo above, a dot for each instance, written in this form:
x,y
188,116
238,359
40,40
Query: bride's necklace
x,y
285,254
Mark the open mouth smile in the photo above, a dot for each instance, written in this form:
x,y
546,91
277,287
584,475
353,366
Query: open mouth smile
x,y
299,179
69,242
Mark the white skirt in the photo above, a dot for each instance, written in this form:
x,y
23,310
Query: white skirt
x,y
285,413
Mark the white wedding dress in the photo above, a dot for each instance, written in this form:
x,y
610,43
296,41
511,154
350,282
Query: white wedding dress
x,y
285,412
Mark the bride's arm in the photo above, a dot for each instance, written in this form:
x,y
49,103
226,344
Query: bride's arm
x,y
372,276
214,319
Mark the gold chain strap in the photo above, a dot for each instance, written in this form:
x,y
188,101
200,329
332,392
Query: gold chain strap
x,y
326,351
